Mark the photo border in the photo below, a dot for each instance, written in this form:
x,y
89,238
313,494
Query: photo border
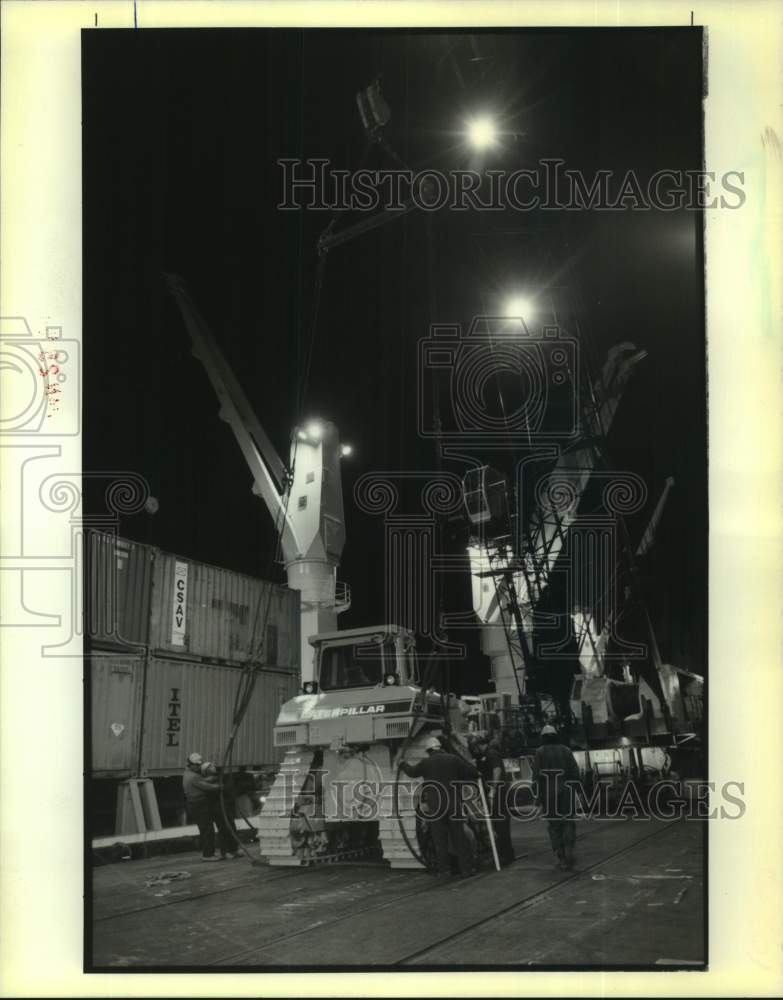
x,y
41,697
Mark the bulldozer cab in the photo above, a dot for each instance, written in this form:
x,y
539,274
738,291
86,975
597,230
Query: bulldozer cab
x,y
384,656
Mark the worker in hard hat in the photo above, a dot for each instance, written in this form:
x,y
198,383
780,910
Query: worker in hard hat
x,y
445,775
555,774
493,774
201,794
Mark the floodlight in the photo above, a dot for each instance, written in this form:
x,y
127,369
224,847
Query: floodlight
x,y
518,307
482,133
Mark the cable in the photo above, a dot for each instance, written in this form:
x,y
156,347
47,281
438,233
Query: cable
x,y
249,674
415,731
247,681
305,380
248,677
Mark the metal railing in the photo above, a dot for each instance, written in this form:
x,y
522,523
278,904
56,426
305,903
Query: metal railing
x,y
342,596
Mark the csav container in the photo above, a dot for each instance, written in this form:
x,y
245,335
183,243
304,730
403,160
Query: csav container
x,y
117,592
189,706
149,710
198,610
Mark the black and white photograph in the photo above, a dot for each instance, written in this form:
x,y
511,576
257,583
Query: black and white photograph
x,y
391,605
401,610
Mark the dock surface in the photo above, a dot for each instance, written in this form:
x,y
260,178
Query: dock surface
x,y
634,900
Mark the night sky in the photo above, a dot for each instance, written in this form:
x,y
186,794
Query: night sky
x,y
182,131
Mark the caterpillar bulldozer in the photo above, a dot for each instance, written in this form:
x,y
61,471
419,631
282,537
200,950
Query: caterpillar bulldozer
x,y
339,790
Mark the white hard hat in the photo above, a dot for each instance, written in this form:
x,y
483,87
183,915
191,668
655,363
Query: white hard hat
x,y
195,758
432,743
549,731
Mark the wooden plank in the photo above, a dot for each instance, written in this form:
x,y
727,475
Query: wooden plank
x,y
168,833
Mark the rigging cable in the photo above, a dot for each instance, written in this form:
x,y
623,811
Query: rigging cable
x,y
247,680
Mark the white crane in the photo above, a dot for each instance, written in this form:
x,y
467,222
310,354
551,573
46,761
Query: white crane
x,y
305,498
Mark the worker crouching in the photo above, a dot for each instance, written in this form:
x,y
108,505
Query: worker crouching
x,y
556,774
445,774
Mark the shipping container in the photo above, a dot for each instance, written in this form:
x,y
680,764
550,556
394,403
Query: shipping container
x,y
199,610
117,592
189,706
115,686
148,715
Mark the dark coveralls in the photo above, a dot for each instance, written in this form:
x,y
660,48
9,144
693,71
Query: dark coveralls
x,y
202,797
555,772
495,780
226,826
444,774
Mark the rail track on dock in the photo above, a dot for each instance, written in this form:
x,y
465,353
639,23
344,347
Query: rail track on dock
x,y
527,901
363,914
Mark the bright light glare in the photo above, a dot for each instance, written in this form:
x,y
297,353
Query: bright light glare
x,y
301,435
346,450
482,133
518,308
315,430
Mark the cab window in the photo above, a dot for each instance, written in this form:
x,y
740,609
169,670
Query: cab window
x,y
342,667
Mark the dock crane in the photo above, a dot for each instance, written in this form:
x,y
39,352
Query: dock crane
x,y
511,570
512,566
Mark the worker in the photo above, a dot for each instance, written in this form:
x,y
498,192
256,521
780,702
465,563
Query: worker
x,y
445,775
555,773
495,781
200,795
222,814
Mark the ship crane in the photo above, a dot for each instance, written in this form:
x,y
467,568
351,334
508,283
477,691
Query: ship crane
x,y
363,707
304,498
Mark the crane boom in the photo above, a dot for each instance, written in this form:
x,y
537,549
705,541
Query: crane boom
x,y
270,476
312,529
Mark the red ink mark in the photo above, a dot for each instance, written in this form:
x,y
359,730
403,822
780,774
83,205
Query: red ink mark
x,y
52,391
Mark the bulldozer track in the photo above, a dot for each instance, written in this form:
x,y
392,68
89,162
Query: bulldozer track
x,y
357,854
275,840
